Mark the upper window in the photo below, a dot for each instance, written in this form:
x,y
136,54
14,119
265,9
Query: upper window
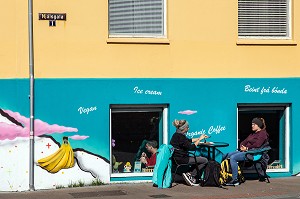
x,y
136,18
264,19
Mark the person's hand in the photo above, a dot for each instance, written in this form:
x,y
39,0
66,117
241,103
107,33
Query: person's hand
x,y
143,160
243,148
203,136
144,154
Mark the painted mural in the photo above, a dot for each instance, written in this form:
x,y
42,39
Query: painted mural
x,y
52,156
72,126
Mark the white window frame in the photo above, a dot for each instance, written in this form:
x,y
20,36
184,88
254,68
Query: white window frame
x,y
141,35
268,37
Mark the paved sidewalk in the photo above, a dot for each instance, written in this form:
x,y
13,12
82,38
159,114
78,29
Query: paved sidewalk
x,y
279,188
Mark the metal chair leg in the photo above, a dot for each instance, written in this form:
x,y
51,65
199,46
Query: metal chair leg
x,y
264,171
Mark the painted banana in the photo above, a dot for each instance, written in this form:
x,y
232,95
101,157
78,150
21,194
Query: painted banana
x,y
63,158
63,163
50,157
70,161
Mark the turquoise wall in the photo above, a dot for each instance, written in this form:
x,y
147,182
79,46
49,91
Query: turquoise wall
x,y
65,102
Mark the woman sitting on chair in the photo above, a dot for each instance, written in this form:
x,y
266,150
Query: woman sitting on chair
x,y
255,140
182,145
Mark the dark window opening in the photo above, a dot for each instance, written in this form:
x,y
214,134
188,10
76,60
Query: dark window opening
x,y
275,125
130,129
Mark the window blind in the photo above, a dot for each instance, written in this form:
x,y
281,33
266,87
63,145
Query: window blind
x,y
136,17
263,18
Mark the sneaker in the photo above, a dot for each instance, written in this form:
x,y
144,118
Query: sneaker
x,y
189,179
233,183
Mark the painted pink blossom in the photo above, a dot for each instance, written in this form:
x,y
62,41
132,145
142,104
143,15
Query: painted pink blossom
x,y
11,131
187,112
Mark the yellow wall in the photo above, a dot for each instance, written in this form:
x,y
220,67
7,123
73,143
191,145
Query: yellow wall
x,y
202,39
13,39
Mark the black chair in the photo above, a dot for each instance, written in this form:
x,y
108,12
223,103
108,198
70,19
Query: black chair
x,y
258,159
179,168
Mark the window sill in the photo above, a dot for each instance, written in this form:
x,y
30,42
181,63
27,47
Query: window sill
x,y
114,175
267,42
278,170
138,41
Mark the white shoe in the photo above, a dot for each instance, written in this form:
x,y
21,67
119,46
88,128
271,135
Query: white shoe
x,y
189,179
233,183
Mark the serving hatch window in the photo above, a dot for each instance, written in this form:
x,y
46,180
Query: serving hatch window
x,y
131,127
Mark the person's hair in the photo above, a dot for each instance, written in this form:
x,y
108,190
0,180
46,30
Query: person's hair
x,y
152,143
264,123
260,122
180,124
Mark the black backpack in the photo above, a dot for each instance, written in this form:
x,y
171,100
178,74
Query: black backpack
x,y
212,174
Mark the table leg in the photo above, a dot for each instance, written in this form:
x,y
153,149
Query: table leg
x,y
208,153
213,153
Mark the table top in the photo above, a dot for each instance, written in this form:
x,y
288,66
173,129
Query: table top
x,y
213,144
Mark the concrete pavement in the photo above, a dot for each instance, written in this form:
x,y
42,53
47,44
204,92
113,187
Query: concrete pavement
x,y
279,188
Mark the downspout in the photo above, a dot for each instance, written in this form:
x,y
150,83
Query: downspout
x,y
31,77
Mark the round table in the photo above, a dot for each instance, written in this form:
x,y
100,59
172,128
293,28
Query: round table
x,y
211,148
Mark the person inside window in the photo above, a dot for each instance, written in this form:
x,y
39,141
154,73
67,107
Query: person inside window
x,y
182,146
151,147
256,139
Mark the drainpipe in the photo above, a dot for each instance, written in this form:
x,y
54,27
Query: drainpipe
x,y
31,77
